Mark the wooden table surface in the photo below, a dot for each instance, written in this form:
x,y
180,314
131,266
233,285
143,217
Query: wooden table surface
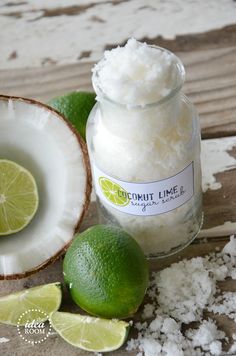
x,y
208,51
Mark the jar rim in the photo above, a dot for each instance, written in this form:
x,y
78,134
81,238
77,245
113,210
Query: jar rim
x,y
179,83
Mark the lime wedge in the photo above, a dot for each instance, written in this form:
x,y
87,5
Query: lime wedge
x,y
89,333
18,197
31,304
114,192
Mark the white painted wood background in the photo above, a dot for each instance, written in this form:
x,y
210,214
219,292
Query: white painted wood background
x,y
51,38
35,33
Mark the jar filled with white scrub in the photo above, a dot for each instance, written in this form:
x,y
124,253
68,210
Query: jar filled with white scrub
x,y
143,137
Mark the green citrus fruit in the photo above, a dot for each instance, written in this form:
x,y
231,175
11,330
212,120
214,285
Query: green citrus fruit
x,y
113,192
18,197
88,333
28,305
106,272
75,106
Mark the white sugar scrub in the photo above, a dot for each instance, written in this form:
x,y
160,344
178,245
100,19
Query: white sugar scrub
x,y
136,74
178,296
144,144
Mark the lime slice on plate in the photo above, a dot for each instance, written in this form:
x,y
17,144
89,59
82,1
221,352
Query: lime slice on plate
x,y
30,304
18,197
113,192
89,333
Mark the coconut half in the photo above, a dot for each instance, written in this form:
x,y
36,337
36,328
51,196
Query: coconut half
x,y
41,140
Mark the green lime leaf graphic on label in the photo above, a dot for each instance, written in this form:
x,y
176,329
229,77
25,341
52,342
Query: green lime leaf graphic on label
x,y
114,192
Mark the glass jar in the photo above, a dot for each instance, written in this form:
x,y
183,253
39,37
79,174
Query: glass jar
x,y
146,168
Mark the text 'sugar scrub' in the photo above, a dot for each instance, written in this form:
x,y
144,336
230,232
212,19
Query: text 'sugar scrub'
x,y
144,145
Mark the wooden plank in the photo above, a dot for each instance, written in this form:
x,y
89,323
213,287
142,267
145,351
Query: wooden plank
x,y
210,84
217,210
220,205
55,345
36,43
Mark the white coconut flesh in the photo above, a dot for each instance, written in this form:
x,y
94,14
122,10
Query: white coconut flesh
x,y
41,141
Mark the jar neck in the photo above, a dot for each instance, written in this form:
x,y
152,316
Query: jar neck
x,y
134,122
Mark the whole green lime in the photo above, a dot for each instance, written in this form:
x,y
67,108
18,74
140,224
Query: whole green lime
x,y
75,106
106,272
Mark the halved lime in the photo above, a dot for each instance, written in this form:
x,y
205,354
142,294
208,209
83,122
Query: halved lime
x,y
114,192
31,304
18,197
89,333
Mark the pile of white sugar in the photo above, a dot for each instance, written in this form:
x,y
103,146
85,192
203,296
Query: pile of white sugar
x,y
178,296
135,74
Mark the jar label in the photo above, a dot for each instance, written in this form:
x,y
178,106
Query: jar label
x,y
145,199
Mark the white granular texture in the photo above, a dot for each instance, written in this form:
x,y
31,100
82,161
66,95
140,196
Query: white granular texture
x,y
225,304
182,296
206,336
179,295
148,144
135,74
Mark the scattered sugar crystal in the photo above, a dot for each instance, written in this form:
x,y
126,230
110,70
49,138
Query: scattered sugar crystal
x,y
140,326
205,334
151,347
215,348
232,349
132,345
148,311
171,348
226,258
220,273
169,325
180,294
225,304
233,273
156,324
